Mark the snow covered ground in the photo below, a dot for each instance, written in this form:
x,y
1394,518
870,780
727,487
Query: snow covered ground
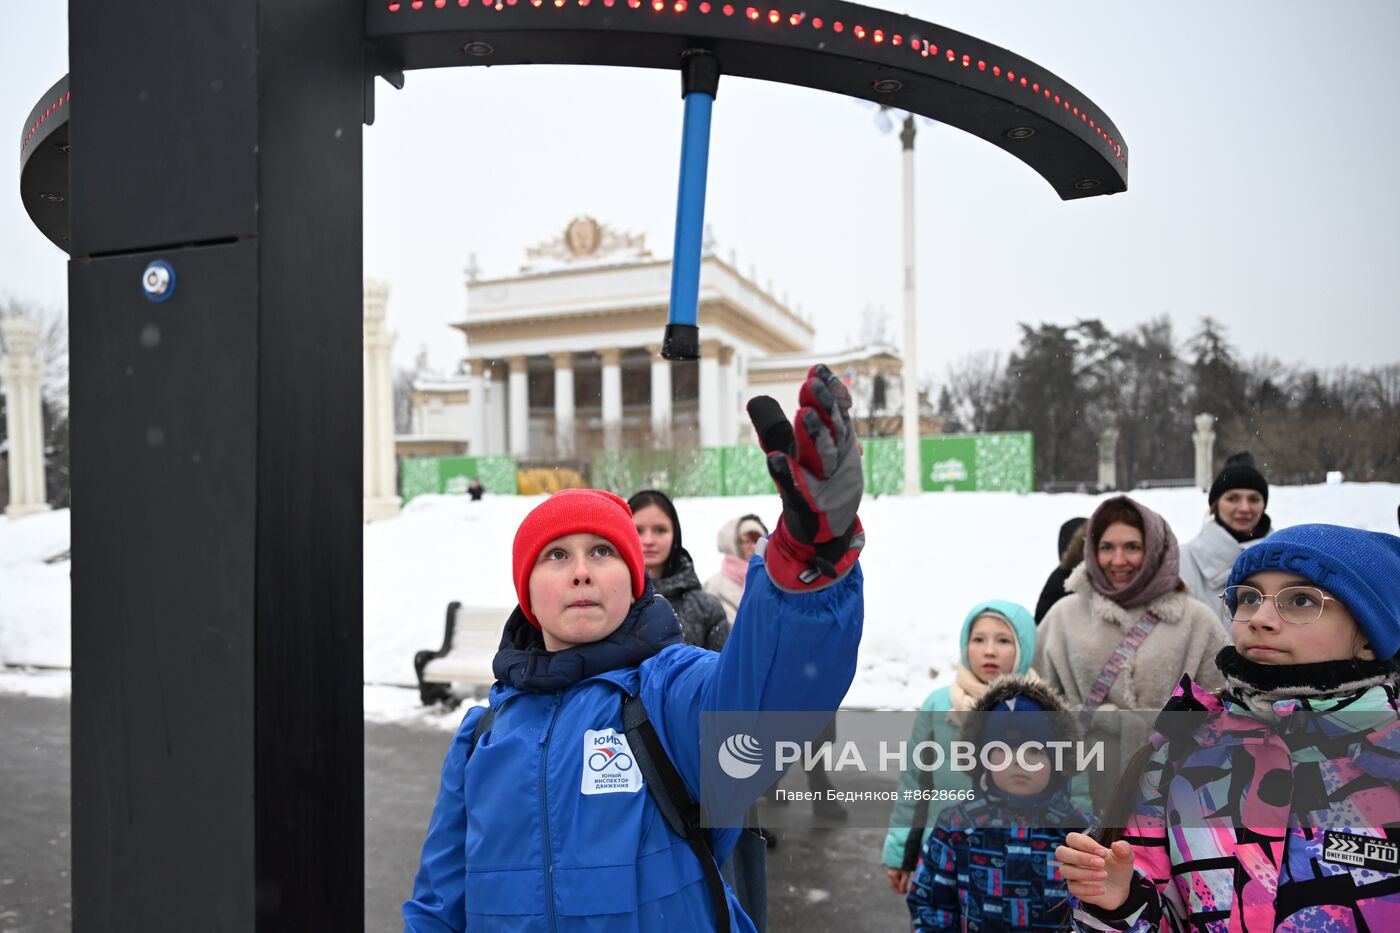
x,y
927,561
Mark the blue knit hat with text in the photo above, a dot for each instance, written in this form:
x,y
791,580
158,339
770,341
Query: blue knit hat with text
x,y
1361,568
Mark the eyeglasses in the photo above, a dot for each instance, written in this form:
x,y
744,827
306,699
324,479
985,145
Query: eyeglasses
x,y
1301,605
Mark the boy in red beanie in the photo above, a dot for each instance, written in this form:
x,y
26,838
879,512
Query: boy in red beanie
x,y
544,819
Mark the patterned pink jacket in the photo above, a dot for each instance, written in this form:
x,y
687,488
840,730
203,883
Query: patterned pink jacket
x,y
1243,824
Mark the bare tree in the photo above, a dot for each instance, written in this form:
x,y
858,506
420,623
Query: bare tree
x,y
974,397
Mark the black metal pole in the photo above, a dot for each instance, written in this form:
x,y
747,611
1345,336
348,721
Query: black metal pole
x,y
216,463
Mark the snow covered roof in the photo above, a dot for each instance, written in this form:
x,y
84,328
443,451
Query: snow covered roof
x,y
830,358
435,383
430,439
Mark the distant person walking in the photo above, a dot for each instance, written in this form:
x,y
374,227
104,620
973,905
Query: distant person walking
x,y
1237,520
737,538
1128,630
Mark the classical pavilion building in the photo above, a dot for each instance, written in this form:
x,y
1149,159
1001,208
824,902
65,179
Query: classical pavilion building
x,y
563,358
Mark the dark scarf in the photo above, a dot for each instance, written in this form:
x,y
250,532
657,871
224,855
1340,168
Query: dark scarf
x,y
679,575
1261,529
523,662
1258,686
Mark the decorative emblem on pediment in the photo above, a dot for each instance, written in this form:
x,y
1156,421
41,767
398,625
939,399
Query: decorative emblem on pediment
x,y
586,241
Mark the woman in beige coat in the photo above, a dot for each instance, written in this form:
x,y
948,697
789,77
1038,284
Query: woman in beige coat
x,y
1126,595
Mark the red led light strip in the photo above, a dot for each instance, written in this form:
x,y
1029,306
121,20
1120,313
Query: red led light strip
x,y
44,118
769,16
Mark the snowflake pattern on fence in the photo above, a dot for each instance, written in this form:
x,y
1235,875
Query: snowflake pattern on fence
x,y
697,471
418,476
618,472
497,474
683,472
1005,462
883,462
745,471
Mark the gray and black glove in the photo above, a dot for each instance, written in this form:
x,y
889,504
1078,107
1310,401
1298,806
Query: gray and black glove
x,y
815,462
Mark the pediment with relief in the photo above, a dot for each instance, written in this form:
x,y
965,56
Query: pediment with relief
x,y
586,242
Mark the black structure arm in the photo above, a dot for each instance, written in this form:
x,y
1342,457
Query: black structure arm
x,y
829,45
880,56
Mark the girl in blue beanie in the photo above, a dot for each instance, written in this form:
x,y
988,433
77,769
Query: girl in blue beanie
x,y
1276,807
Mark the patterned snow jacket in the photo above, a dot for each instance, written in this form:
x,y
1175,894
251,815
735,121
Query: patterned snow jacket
x,y
1243,824
980,872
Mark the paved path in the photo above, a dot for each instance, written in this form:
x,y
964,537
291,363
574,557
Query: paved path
x,y
819,880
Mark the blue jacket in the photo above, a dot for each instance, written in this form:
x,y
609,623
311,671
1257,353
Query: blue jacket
x,y
548,828
982,872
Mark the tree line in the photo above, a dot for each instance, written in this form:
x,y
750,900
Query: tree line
x,y
1067,383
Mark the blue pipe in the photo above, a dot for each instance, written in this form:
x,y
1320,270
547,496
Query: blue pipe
x,y
700,80
690,208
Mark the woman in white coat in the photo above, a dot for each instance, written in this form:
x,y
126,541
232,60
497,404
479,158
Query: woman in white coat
x,y
1237,520
737,540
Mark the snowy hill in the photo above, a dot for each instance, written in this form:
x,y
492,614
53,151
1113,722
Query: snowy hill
x,y
928,560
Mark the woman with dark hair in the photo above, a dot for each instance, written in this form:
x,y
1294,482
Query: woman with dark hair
x,y
1127,631
1237,520
1071,555
703,622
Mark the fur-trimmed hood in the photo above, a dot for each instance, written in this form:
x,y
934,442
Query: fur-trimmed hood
x,y
727,540
1003,689
1169,609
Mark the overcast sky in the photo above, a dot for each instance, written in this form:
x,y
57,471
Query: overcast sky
x,y
1262,186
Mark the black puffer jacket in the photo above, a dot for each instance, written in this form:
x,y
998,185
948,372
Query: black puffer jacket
x,y
702,616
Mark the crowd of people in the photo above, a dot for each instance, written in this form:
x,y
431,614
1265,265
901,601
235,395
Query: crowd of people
x,y
1241,819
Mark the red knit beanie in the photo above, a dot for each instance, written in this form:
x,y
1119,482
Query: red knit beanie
x,y
571,512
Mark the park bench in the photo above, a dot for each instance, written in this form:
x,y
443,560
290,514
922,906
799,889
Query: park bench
x,y
468,645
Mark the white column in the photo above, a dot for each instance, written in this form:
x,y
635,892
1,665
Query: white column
x,y
381,482
563,404
912,484
495,411
728,395
20,376
1108,459
476,409
519,407
1204,438
612,398
709,394
660,397
38,495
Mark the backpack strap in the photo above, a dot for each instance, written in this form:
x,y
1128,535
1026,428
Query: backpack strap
x,y
483,726
667,790
673,799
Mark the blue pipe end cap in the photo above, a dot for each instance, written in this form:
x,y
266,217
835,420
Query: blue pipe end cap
x,y
682,342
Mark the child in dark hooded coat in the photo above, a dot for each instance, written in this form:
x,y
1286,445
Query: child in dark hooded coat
x,y
988,864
